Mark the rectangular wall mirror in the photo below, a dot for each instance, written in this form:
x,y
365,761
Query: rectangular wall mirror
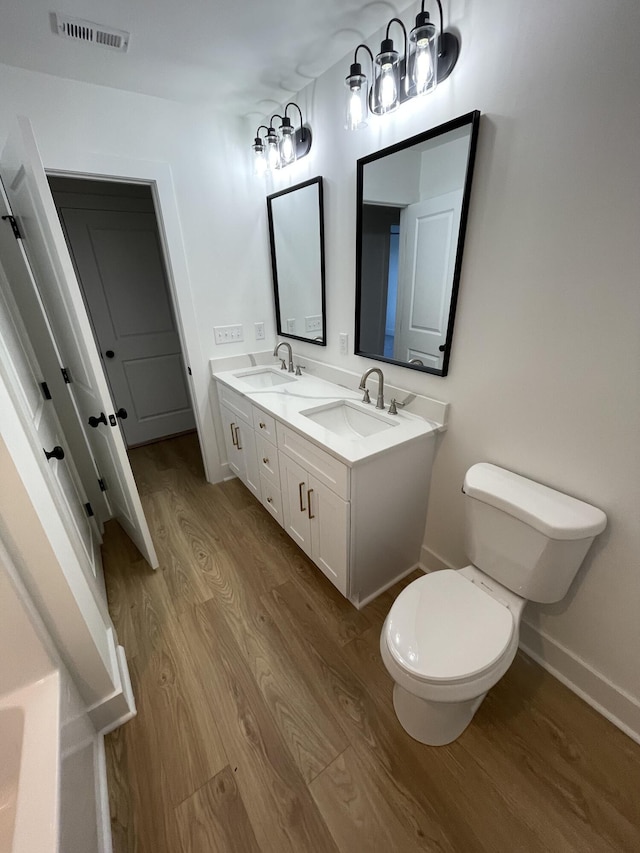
x,y
296,230
413,199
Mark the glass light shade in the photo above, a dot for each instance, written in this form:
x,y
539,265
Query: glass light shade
x,y
386,86
287,145
272,150
259,158
423,59
356,106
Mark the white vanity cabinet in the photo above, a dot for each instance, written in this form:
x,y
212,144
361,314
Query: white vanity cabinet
x,y
358,515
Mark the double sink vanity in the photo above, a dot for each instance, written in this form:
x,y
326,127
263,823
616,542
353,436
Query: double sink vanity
x,y
348,482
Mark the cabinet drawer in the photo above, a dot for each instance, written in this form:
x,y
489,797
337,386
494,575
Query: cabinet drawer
x,y
268,460
264,425
331,472
271,499
239,405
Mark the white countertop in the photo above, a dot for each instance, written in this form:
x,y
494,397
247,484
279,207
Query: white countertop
x,y
286,402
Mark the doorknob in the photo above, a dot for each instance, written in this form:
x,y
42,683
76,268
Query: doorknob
x,y
122,413
56,453
442,347
110,353
94,422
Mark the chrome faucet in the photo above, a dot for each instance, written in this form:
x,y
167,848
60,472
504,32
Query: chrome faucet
x,y
363,384
288,346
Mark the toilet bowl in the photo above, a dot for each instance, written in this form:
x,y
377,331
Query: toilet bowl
x,y
451,635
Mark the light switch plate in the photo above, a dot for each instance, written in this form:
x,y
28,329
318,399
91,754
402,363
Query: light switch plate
x,y
259,331
228,334
344,343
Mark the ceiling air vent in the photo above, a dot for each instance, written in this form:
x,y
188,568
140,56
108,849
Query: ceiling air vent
x,y
88,31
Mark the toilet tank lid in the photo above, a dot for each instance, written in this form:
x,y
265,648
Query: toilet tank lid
x,y
553,513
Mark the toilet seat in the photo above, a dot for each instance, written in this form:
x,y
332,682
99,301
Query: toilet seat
x,y
443,629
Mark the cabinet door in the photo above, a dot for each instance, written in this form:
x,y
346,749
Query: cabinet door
x,y
246,441
294,482
329,516
230,428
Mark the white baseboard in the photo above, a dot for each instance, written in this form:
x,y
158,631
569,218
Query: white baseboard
x,y
582,679
102,798
119,706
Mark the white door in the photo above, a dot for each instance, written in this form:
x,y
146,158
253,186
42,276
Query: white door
x,y
247,446
22,374
295,483
329,516
120,267
27,298
230,429
425,277
32,205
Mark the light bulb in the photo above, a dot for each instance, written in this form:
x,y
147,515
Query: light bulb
x,y
423,66
388,89
356,98
287,145
259,158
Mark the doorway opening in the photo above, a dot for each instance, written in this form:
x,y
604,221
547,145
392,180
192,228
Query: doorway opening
x,y
111,229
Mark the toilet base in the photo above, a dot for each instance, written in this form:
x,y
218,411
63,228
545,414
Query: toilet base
x,y
433,723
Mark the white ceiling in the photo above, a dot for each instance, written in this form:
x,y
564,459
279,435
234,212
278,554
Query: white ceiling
x,y
241,56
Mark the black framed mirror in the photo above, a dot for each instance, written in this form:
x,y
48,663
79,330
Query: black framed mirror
x,y
413,201
296,231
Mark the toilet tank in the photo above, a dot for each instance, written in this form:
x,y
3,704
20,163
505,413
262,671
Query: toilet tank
x,y
528,537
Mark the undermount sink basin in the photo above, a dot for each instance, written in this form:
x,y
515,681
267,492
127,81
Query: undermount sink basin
x,y
348,419
265,377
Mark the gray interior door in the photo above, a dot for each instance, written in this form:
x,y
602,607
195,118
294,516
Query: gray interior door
x,y
118,259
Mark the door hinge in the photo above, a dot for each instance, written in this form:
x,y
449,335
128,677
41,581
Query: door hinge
x,y
102,484
65,375
189,369
14,226
89,509
45,391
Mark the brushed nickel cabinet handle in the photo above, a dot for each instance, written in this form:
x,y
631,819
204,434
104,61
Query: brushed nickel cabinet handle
x,y
309,493
269,500
238,445
262,426
233,435
300,488
265,459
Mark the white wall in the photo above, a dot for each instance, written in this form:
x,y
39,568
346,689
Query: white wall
x,y
545,368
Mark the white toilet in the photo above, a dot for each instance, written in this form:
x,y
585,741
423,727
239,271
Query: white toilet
x,y
451,635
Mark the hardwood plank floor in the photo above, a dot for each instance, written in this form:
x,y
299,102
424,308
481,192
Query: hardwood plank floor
x,y
265,720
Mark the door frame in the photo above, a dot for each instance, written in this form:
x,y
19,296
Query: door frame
x,y
158,177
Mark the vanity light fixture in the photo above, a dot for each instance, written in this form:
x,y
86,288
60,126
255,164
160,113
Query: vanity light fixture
x,y
281,147
429,57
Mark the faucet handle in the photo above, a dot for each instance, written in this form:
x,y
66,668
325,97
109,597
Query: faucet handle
x,y
283,364
366,398
299,369
392,407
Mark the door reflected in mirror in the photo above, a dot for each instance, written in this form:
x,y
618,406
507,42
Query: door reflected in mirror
x,y
296,230
413,200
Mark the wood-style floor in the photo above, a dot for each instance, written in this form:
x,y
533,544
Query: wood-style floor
x,y
265,720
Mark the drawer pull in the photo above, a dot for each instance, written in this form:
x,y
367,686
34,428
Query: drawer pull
x,y
269,500
265,459
262,425
238,445
300,488
309,491
233,435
